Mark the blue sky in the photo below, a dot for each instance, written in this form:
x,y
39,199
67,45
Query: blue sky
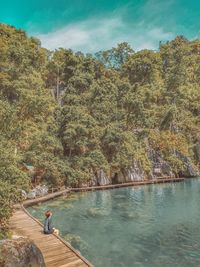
x,y
93,25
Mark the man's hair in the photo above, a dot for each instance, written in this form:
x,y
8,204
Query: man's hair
x,y
47,213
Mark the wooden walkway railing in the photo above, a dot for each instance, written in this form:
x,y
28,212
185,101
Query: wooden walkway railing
x,y
56,251
158,180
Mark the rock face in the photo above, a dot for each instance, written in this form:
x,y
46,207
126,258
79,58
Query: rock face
x,y
134,173
190,170
162,168
197,151
20,252
159,166
38,191
102,178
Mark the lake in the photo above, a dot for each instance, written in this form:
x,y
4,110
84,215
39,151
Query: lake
x,y
144,226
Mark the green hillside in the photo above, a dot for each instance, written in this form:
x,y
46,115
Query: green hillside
x,y
92,119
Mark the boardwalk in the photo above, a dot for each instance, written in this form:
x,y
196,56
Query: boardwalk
x,y
56,252
49,196
135,183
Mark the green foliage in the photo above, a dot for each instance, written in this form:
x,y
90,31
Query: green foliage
x,y
12,181
71,115
27,123
8,195
115,57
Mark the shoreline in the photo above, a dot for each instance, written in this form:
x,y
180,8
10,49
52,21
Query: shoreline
x,y
31,202
28,203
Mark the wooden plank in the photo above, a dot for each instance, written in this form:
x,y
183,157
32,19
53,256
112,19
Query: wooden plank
x,y
52,248
53,245
60,264
81,264
56,251
65,257
74,263
32,229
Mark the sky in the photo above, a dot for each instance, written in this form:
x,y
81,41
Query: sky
x,y
93,25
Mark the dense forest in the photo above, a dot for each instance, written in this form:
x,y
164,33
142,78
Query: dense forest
x,y
78,119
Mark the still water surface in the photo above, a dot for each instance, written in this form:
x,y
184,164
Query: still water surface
x,y
146,226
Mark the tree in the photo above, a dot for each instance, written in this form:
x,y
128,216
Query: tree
x,y
115,57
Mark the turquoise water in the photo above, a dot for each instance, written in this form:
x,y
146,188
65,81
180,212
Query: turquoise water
x,y
146,226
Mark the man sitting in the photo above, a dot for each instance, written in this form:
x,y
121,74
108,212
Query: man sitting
x,y
48,227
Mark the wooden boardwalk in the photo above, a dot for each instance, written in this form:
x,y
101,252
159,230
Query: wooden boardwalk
x,y
135,183
31,202
56,252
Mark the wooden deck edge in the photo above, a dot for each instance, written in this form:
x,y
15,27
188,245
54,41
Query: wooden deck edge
x,y
47,197
78,254
50,196
113,186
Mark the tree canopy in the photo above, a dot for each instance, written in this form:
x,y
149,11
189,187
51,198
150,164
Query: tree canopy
x,y
71,115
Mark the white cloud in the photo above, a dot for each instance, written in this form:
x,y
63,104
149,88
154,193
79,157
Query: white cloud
x,y
93,35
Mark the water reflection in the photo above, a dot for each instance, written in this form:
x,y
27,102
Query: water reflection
x,y
144,226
